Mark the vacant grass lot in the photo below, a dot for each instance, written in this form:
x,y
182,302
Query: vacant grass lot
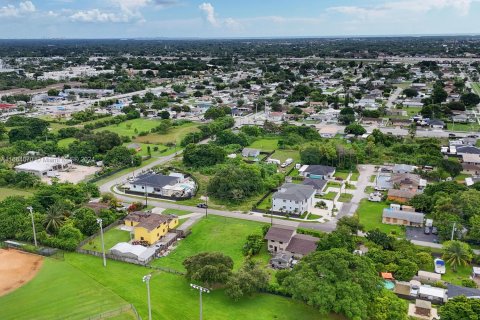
x,y
370,215
59,291
214,234
265,144
467,127
283,155
463,273
111,238
8,192
345,197
64,143
175,135
128,127
176,212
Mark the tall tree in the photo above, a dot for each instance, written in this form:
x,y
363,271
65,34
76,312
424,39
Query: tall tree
x,y
457,253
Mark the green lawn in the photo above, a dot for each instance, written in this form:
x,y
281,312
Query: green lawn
x,y
283,155
214,234
60,291
370,215
476,87
128,127
64,143
354,176
111,238
345,197
463,273
463,127
175,135
8,192
266,203
329,196
265,144
333,184
342,174
372,178
176,212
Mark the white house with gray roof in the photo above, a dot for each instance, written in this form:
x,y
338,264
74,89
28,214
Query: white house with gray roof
x,y
293,198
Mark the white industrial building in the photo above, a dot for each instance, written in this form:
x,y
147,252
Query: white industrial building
x,y
46,166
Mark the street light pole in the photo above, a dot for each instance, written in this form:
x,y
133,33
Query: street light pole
x,y
453,230
146,279
33,226
200,289
100,222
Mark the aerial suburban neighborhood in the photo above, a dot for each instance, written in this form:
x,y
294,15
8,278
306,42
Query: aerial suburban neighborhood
x,y
237,177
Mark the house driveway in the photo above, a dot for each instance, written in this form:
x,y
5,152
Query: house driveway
x,y
366,171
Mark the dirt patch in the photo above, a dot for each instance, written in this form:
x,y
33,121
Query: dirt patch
x,y
16,269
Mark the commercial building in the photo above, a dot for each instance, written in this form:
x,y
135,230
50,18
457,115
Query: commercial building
x,y
46,166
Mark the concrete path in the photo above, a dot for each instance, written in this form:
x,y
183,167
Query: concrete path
x,y
349,209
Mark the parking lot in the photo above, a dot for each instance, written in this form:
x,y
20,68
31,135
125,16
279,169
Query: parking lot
x,y
418,234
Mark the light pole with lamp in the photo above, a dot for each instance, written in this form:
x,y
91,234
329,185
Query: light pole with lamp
x,y
146,279
100,222
33,226
201,290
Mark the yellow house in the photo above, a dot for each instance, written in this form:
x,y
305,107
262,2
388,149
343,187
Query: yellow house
x,y
150,227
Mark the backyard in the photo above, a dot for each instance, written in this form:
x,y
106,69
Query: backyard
x,y
214,234
111,238
8,192
370,215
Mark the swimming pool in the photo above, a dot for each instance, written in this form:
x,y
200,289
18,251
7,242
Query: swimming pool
x,y
389,285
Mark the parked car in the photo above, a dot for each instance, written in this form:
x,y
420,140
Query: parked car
x,y
439,266
434,230
426,230
202,205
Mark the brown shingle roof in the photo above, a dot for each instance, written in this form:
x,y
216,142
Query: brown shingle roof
x,y
149,221
280,233
302,244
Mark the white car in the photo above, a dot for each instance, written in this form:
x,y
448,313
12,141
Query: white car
x,y
439,266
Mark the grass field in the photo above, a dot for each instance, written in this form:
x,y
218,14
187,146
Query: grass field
x,y
342,174
8,192
266,144
214,234
58,290
128,127
463,273
329,196
467,127
370,215
111,238
476,87
175,135
93,289
283,155
64,143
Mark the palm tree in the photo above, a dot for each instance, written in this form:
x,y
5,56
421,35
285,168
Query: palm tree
x,y
457,253
55,217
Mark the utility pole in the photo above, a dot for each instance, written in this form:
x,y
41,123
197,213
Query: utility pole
x,y
146,279
200,289
33,226
453,230
100,222
146,196
206,205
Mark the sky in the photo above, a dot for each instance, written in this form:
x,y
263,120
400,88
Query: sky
x,y
234,18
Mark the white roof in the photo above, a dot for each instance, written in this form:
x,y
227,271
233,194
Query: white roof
x,y
303,168
432,291
125,247
43,164
476,270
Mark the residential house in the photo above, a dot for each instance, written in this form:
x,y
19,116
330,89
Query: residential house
x,y
471,159
402,217
466,149
150,227
422,310
436,124
433,294
403,168
293,198
249,152
135,146
317,171
317,184
401,196
281,261
285,243
408,181
328,132
152,183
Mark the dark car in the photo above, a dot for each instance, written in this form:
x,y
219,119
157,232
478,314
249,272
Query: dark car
x,y
434,230
451,135
202,205
427,230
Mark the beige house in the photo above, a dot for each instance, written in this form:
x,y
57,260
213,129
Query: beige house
x,y
422,310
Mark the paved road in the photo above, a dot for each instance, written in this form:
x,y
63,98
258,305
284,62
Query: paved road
x,y
393,97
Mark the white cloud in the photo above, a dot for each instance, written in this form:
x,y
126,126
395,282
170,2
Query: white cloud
x,y
96,15
23,8
393,8
209,12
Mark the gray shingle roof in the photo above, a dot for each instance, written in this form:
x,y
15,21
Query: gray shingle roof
x,y
154,180
415,217
468,149
294,192
317,184
320,170
302,243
